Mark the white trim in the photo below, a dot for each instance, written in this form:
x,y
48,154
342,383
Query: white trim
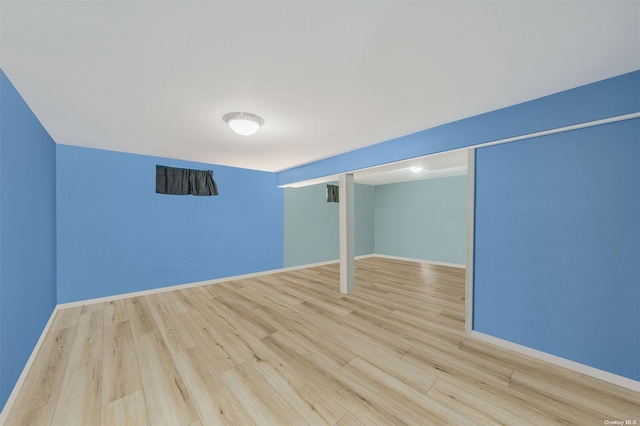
x,y
239,277
27,367
411,259
562,362
367,256
199,283
193,284
327,178
557,130
471,217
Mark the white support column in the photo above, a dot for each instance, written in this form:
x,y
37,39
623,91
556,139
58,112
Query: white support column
x,y
347,232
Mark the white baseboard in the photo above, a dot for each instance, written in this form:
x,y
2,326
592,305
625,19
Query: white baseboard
x,y
25,370
198,283
186,285
562,362
411,259
239,277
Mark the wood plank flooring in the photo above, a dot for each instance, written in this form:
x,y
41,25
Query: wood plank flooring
x,y
290,349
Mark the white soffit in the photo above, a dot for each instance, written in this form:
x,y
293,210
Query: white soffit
x,y
156,77
453,163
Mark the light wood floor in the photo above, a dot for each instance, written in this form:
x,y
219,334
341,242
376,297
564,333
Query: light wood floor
x,y
289,349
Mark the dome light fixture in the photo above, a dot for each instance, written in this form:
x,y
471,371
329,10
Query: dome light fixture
x,y
414,169
243,123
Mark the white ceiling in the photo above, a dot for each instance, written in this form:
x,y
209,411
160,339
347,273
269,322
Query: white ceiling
x,y
155,77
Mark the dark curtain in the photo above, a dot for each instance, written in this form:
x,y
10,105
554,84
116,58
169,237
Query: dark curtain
x,y
332,194
177,181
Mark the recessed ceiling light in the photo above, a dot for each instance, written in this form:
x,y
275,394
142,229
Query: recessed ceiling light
x,y
414,169
243,123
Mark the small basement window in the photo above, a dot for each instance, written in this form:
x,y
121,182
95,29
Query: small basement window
x,y
332,194
177,181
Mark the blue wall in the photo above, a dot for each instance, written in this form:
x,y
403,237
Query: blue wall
x,y
425,219
312,229
364,217
116,235
607,98
557,245
27,233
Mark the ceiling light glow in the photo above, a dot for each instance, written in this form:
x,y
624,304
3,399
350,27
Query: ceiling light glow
x,y
414,169
243,123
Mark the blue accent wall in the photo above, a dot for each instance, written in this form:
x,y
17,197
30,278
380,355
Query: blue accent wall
x,y
608,98
425,219
312,228
557,245
116,235
27,233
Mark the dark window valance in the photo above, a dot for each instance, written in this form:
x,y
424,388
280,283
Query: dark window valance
x,y
177,181
332,194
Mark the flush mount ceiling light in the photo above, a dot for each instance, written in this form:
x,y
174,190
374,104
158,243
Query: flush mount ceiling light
x,y
243,123
414,169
